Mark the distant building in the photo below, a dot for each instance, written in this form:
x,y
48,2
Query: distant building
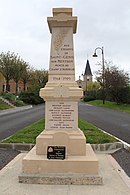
x,y
87,77
12,85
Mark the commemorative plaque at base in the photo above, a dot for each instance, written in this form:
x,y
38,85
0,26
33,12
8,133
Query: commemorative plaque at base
x,y
61,138
56,152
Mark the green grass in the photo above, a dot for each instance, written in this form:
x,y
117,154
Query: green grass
x,y
112,105
93,134
3,105
29,134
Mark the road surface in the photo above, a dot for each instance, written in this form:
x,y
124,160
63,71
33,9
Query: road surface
x,y
114,122
12,122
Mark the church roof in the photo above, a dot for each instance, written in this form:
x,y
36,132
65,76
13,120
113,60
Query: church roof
x,y
88,69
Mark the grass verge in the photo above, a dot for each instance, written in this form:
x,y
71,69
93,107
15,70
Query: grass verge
x,y
4,106
112,105
29,134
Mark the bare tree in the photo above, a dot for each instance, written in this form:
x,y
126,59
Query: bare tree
x,y
114,80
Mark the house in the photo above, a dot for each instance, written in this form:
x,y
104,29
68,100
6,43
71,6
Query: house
x,y
12,85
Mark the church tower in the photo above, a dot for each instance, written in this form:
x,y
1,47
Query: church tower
x,y
87,78
88,73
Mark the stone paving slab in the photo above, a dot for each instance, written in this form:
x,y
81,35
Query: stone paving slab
x,y
113,183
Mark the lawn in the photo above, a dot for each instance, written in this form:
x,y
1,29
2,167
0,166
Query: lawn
x,y
112,105
29,134
3,105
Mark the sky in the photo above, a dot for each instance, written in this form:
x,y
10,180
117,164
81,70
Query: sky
x,y
101,23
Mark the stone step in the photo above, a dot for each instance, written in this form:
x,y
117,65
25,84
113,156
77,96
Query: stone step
x,y
7,102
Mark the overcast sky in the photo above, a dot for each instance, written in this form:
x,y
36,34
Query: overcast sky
x,y
24,30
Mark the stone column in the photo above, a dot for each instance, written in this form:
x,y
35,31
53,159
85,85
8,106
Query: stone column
x,y
62,93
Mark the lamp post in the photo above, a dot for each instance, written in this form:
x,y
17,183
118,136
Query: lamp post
x,y
103,68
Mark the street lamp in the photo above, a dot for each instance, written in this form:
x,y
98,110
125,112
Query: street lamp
x,y
103,68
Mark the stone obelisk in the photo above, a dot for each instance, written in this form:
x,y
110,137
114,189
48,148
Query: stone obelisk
x,y
62,93
61,133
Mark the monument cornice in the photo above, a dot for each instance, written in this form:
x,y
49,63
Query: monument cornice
x,y
62,21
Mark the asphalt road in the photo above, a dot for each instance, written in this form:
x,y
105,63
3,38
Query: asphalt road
x,y
114,122
12,122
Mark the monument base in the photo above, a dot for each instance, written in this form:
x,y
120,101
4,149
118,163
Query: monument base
x,y
61,179
80,170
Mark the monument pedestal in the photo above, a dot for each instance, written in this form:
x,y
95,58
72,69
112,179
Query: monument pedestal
x,y
79,164
80,170
74,141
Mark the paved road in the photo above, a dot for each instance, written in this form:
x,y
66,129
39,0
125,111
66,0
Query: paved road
x,y
114,122
12,122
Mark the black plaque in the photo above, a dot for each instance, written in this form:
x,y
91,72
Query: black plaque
x,y
56,152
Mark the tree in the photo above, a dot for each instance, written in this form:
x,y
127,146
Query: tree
x,y
92,89
38,79
6,64
41,77
16,73
115,81
101,80
25,74
93,86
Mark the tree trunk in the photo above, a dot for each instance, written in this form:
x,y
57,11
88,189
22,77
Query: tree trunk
x,y
16,88
24,86
7,85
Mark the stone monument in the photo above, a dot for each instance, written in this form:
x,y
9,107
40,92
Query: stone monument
x,y
61,155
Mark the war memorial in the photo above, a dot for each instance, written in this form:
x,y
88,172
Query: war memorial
x,y
61,155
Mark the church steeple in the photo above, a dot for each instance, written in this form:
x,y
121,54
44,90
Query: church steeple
x,y
87,77
88,69
88,73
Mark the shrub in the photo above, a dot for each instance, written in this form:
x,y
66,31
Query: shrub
x,y
19,103
30,98
9,96
88,98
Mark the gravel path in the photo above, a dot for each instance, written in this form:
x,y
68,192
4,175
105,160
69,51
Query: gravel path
x,y
6,156
122,156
